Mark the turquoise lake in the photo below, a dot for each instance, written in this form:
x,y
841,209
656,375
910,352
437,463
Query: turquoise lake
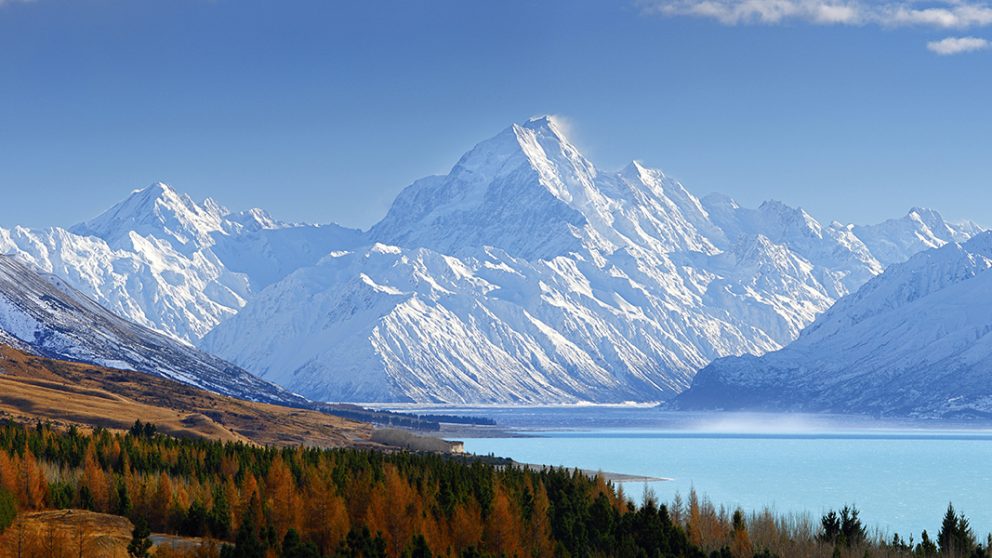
x,y
900,475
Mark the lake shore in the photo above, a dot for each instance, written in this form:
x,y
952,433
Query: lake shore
x,y
607,475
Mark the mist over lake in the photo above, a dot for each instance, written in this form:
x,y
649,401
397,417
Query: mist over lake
x,y
901,475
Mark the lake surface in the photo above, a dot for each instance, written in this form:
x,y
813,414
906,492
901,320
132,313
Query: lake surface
x,y
900,475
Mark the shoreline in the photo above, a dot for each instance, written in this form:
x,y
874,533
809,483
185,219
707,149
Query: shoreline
x,y
607,475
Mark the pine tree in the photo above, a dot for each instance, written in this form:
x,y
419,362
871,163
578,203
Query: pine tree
x,y
219,518
829,527
843,529
294,547
852,530
948,528
8,509
140,541
955,536
361,544
418,548
247,545
926,548
123,499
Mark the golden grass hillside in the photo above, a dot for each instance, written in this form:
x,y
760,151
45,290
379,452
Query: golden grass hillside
x,y
33,387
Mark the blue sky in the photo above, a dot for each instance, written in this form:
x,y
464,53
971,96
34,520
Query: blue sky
x,y
322,111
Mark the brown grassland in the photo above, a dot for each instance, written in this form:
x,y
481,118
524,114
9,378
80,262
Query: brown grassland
x,y
67,393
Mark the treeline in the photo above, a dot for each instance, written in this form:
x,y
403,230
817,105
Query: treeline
x,y
837,534
383,418
311,503
459,419
425,422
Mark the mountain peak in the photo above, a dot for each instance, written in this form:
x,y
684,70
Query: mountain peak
x,y
157,188
157,210
537,146
150,194
543,122
926,214
254,219
635,169
547,130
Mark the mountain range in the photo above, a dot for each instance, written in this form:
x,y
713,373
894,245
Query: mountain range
x,y
524,275
913,341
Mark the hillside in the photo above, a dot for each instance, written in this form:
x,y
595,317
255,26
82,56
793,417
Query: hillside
x,y
34,387
913,341
43,314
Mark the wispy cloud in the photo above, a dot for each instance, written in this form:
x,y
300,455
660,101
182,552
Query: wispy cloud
x,y
768,12
948,15
933,14
957,45
945,14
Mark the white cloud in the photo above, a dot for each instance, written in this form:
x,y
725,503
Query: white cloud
x,y
734,12
943,14
932,14
837,14
957,45
954,16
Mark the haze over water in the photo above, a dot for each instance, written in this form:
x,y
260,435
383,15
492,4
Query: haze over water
x,y
901,476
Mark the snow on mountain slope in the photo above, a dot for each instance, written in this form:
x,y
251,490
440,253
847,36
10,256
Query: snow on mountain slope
x,y
528,275
530,192
250,242
150,284
842,261
388,323
266,254
913,341
160,260
157,211
44,315
525,274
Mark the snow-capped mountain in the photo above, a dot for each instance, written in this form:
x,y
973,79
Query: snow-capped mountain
x,y
528,275
530,192
163,261
913,341
41,314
